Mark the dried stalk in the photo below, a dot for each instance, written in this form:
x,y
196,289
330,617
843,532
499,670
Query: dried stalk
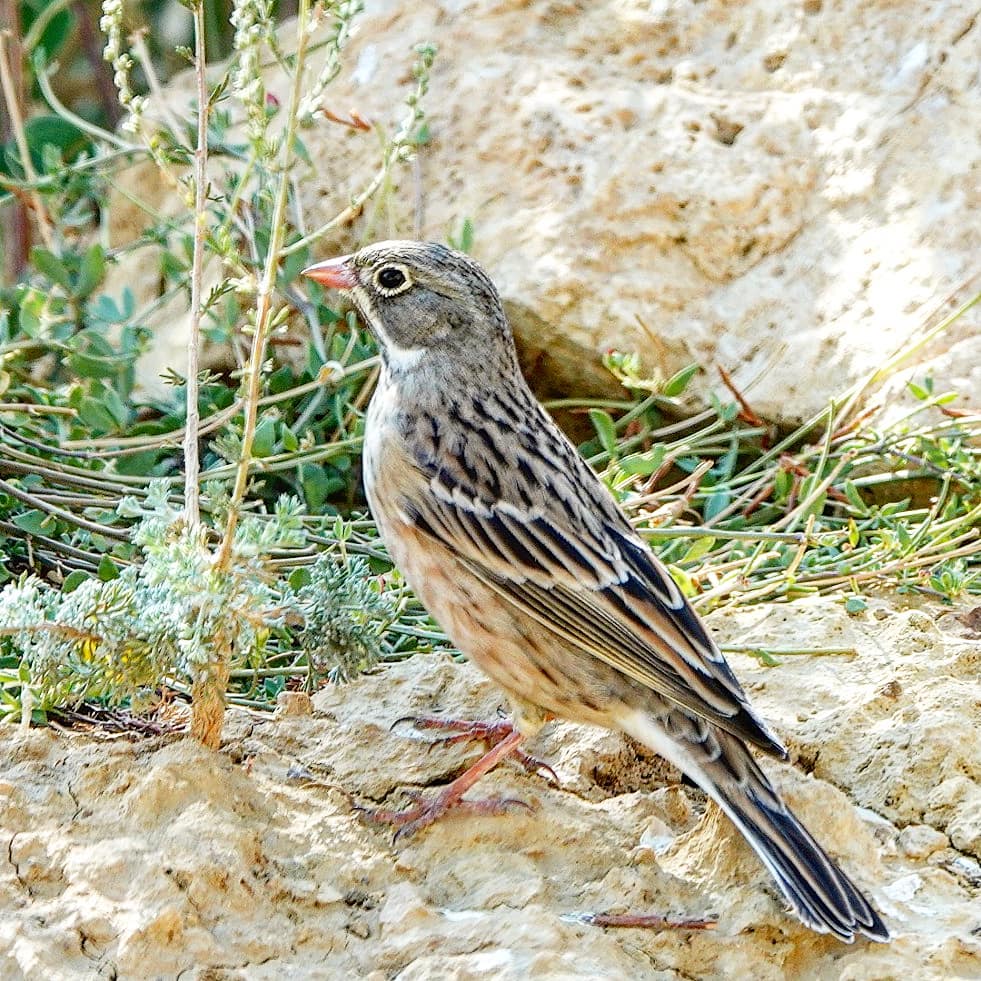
x,y
17,126
263,316
192,463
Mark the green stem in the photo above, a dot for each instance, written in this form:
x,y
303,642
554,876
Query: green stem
x,y
192,461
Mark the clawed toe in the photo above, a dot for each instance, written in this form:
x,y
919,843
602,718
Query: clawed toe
x,y
427,811
536,766
489,733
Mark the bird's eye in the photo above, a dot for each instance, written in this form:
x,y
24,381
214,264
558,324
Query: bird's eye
x,y
391,279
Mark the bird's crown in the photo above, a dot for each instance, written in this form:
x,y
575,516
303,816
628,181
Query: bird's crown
x,y
422,298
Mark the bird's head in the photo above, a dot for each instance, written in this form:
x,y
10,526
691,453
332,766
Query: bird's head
x,y
419,299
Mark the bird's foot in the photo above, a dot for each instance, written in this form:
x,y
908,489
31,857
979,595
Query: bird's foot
x,y
489,733
642,921
426,811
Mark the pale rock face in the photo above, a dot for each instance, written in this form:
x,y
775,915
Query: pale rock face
x,y
782,189
158,858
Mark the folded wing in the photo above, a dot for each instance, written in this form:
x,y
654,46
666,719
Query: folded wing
x,y
561,551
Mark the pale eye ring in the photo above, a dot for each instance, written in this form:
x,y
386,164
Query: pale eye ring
x,y
392,279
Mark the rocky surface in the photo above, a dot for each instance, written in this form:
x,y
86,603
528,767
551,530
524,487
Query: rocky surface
x,y
158,859
780,189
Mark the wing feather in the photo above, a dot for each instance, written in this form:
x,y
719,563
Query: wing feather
x,y
573,563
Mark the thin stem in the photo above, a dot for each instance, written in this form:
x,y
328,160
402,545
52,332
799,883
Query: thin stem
x,y
138,40
253,377
72,519
192,462
42,74
17,126
46,15
784,651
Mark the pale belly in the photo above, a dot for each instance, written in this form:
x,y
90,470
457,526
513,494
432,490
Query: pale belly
x,y
538,671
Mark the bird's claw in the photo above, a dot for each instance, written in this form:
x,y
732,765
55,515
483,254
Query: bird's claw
x,y
428,811
490,733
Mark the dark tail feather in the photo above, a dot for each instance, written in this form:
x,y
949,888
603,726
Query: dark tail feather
x,y
818,890
820,893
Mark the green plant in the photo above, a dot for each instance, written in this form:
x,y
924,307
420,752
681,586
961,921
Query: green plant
x,y
171,510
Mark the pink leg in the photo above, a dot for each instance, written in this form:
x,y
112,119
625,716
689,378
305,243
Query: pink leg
x,y
425,812
490,733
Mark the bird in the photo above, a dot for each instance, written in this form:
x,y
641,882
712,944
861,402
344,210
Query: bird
x,y
531,567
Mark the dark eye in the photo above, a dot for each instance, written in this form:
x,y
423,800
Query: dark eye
x,y
390,278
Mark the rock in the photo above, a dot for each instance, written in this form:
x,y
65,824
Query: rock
x,y
921,841
755,186
159,858
293,703
912,753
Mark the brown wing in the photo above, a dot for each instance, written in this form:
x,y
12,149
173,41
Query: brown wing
x,y
531,520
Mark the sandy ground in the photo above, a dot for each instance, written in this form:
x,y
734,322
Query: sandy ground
x,y
154,858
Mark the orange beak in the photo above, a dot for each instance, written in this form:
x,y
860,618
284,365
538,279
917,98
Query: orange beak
x,y
337,273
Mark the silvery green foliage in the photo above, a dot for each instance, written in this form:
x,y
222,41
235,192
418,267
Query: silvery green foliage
x,y
163,618
344,13
253,23
345,615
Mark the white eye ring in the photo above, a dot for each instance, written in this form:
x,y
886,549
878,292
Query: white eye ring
x,y
392,279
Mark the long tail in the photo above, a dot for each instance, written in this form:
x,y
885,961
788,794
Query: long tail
x,y
821,894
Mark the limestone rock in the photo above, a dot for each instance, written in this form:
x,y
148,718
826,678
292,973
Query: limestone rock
x,y
158,858
780,189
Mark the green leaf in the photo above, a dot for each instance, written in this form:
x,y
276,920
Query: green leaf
x,y
684,581
103,309
726,463
265,437
73,580
605,429
716,502
95,415
53,131
644,464
51,266
115,406
55,33
678,382
92,356
108,570
698,548
764,657
318,485
300,149
855,604
29,312
34,522
725,411
463,241
783,481
854,497
918,391
93,270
